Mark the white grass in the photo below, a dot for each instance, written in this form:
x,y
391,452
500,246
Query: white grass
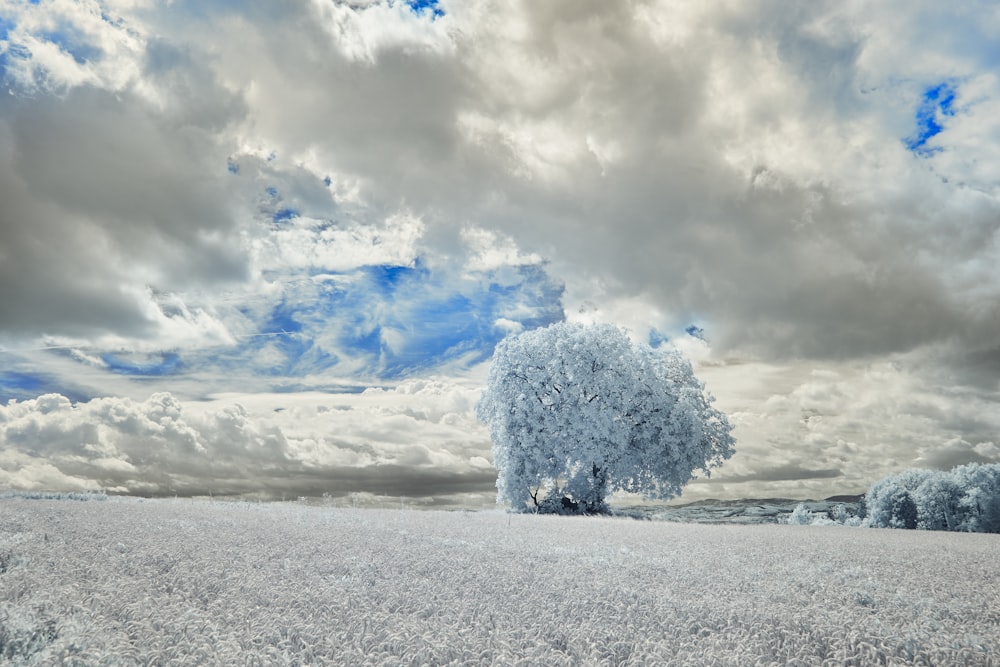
x,y
128,582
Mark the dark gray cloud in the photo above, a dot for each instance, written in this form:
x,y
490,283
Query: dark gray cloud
x,y
956,453
110,192
389,481
112,160
80,248
786,473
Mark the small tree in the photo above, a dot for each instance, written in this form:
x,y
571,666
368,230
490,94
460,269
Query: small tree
x,y
890,503
981,500
800,516
938,501
577,412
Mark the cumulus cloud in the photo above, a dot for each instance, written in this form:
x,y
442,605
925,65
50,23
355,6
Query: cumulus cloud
x,y
814,430
418,440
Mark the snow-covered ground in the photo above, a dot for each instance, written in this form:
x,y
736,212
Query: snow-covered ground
x,y
181,582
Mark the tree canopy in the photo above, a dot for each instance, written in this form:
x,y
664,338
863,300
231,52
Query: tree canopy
x,y
966,498
578,412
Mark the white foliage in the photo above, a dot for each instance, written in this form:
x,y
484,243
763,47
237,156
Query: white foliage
x,y
800,516
837,515
966,498
581,411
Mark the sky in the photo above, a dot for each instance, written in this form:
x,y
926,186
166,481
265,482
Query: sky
x,y
268,248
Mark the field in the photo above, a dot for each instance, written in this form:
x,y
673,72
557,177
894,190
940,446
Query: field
x,y
182,582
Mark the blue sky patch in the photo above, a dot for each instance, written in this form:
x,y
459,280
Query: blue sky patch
x,y
657,338
937,104
22,386
6,25
284,214
422,6
74,43
437,329
299,352
16,380
390,321
387,278
695,332
165,363
282,320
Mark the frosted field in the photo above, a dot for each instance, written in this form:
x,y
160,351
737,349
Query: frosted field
x,y
180,582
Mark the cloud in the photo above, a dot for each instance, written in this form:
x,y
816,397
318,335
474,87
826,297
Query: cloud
x,y
320,245
207,197
786,473
861,421
412,441
587,133
62,45
958,452
623,147
103,201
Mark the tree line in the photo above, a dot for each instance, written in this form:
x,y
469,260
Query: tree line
x,y
966,498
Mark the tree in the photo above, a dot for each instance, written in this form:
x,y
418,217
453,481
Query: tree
x,y
938,502
980,503
577,412
966,498
890,500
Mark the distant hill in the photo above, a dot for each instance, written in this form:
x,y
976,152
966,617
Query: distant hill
x,y
743,511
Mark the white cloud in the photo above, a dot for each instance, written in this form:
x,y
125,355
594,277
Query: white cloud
x,y
74,44
864,420
362,31
308,443
304,244
490,251
508,326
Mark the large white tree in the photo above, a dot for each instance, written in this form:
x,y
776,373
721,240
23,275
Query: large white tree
x,y
577,412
